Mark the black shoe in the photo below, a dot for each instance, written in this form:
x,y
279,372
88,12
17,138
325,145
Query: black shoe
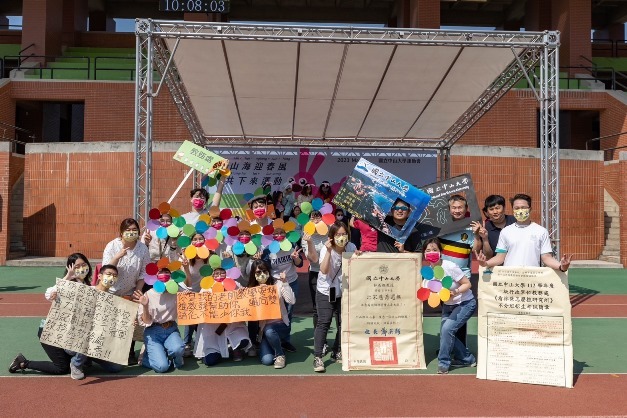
x,y
287,346
17,362
132,359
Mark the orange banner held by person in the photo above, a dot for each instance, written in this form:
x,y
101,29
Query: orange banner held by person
x,y
246,304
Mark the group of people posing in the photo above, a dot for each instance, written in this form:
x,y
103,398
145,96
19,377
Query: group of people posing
x,y
499,240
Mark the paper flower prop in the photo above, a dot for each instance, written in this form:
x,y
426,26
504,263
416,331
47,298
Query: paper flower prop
x,y
155,213
438,286
321,228
176,276
209,283
260,192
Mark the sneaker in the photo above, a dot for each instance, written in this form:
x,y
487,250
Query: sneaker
x,y
279,362
76,373
318,365
187,352
287,346
457,363
325,350
17,362
238,354
337,357
442,370
252,352
132,359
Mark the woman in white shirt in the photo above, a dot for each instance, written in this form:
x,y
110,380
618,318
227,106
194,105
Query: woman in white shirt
x,y
306,195
456,311
329,291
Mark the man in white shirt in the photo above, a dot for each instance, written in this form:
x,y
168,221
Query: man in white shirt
x,y
199,198
524,243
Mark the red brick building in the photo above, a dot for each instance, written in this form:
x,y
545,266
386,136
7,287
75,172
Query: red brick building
x,y
69,191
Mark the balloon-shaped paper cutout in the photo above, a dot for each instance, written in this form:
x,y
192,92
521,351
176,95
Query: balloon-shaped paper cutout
x,y
233,231
212,244
447,282
204,218
210,233
317,203
423,293
285,245
205,271
161,233
434,300
426,272
255,229
174,213
328,218
201,227
149,280
229,240
163,262
309,228
174,265
227,263
251,248
266,240
434,285
267,230
230,222
257,240
219,236
326,208
154,213
215,261
229,284
238,248
172,287
152,269
293,237
202,252
225,214
278,223
217,287
445,295
234,273
159,287
244,225
438,272
306,207
189,230
178,276
274,247
190,252
164,207
153,225
289,226
302,219
322,228
184,241
214,212
173,231
180,221
207,282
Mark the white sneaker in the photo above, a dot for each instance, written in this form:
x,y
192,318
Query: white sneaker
x,y
318,365
76,373
279,362
252,352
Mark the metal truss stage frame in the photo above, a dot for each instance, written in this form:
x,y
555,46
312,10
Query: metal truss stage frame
x,y
539,49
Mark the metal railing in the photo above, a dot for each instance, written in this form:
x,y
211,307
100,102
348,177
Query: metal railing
x,y
612,79
607,152
609,48
6,129
105,68
43,68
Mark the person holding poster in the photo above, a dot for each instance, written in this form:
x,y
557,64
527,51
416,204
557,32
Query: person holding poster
x,y
157,314
273,331
77,269
456,311
199,198
329,291
397,218
524,243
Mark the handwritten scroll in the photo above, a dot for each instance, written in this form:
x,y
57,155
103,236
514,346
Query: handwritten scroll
x,y
91,322
381,316
525,329
246,304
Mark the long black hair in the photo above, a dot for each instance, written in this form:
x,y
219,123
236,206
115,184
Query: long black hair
x,y
261,265
72,260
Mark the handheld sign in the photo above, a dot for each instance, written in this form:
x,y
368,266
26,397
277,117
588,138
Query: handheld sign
x,y
201,159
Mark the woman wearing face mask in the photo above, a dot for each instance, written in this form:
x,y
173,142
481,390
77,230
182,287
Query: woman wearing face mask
x,y
329,291
305,195
273,331
325,193
455,312
293,218
259,207
159,248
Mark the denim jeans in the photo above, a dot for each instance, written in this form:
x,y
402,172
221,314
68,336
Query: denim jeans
x,y
290,308
326,311
163,344
189,332
270,347
453,317
79,360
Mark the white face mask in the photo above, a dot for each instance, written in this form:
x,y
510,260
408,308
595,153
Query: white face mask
x,y
81,272
261,277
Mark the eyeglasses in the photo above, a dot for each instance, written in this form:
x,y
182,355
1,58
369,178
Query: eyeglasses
x,y
403,208
260,272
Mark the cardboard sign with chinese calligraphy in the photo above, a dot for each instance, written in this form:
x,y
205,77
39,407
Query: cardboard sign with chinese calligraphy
x,y
88,321
381,315
436,219
245,304
199,158
525,328
370,192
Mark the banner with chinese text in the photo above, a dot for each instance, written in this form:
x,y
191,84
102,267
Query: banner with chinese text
x,y
381,315
525,328
89,321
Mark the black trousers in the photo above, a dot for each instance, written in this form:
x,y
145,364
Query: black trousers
x,y
326,311
59,364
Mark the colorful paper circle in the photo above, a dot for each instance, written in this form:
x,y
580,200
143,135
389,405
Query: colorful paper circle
x,y
293,236
317,203
190,252
202,252
322,228
154,213
153,225
285,245
445,295
438,272
149,280
174,213
250,248
227,263
234,273
257,240
183,241
204,218
229,284
212,244
159,287
434,285
274,247
178,276
302,219
447,282
214,212
205,271
174,265
267,230
328,218
289,226
225,213
426,272
189,230
180,222
217,287
173,231
309,228
306,207
326,208
434,300
210,233
255,229
207,282
172,287
238,248
278,223
163,262
152,269
162,233
233,231
215,261
423,293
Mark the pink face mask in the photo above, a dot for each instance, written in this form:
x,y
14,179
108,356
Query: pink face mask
x,y
163,277
198,203
217,225
432,257
279,237
259,212
244,239
198,244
